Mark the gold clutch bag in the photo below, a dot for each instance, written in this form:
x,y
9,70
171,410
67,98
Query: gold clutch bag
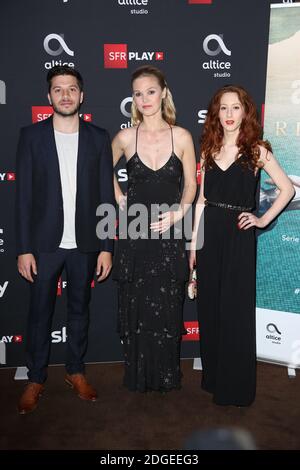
x,y
192,285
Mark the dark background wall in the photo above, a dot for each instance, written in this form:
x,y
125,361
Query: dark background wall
x,y
177,29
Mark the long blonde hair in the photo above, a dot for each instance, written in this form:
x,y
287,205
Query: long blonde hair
x,y
168,108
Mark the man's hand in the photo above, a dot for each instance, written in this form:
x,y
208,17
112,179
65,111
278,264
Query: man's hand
x,y
27,266
104,265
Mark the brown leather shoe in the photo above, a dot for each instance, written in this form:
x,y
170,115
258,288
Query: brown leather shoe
x,y
81,386
30,397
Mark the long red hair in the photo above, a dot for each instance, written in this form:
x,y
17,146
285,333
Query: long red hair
x,y
250,133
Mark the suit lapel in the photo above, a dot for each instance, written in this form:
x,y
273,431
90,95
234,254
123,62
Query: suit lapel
x,y
82,147
51,152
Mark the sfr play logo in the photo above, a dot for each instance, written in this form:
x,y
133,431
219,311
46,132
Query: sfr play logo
x,y
86,116
192,328
39,113
7,176
18,339
159,56
117,56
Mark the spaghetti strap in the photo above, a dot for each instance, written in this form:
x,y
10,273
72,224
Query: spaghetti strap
x,y
172,139
136,138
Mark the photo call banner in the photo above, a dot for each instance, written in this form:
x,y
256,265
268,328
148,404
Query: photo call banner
x,y
200,45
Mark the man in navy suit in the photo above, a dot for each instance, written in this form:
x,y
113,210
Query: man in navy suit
x,y
64,168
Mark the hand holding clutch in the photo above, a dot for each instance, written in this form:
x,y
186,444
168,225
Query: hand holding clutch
x,y
192,285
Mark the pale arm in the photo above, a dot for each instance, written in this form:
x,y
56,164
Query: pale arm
x,y
198,213
118,152
189,172
286,193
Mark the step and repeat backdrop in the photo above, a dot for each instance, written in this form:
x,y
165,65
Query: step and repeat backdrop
x,y
200,45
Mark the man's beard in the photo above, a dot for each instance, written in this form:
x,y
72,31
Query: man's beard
x,y
72,112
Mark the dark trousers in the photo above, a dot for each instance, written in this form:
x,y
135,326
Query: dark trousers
x,y
80,268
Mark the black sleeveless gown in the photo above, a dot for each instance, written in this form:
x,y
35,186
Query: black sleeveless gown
x,y
226,272
151,275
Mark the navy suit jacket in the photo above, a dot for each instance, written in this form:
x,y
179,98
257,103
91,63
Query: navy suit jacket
x,y
39,202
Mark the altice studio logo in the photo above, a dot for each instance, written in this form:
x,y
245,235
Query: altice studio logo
x,y
218,38
62,45
214,45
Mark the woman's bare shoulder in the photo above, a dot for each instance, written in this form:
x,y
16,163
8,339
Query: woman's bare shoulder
x,y
125,136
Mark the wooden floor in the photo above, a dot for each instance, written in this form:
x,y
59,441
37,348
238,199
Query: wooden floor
x,y
130,420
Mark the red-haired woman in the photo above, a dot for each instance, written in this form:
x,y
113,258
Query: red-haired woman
x,y
232,156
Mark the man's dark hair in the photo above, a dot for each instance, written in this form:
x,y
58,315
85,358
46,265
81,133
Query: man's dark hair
x,y
64,70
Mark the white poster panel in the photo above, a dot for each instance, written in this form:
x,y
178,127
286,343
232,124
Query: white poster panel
x,y
278,264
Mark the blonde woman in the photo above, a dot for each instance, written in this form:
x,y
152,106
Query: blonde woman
x,y
151,265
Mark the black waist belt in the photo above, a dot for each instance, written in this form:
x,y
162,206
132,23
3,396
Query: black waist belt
x,y
231,207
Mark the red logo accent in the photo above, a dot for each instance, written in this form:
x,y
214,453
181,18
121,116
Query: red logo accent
x,y
18,339
63,284
10,176
159,56
198,173
39,113
192,328
87,117
115,56
58,292
203,2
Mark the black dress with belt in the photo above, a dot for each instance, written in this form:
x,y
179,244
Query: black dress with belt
x,y
226,272
151,275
